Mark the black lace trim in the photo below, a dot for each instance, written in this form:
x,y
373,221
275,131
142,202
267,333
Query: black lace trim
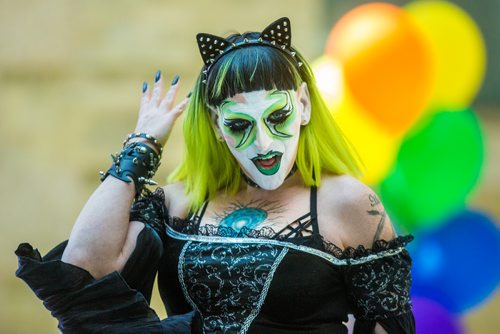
x,y
361,251
186,226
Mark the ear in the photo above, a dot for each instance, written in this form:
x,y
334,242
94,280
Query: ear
x,y
304,100
214,116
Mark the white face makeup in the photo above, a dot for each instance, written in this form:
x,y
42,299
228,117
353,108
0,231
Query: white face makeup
x,y
261,129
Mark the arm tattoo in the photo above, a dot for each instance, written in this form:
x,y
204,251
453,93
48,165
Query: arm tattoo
x,y
374,201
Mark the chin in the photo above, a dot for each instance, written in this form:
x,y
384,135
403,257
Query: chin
x,y
270,184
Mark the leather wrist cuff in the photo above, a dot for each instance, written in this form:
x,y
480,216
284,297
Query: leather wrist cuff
x,y
137,162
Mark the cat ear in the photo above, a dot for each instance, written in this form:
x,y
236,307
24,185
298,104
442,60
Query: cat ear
x,y
210,47
279,32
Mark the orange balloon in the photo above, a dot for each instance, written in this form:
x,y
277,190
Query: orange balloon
x,y
387,63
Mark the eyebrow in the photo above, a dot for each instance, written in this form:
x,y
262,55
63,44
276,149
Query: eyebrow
x,y
272,106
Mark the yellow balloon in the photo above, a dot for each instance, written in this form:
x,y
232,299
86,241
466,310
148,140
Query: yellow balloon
x,y
376,147
458,50
328,74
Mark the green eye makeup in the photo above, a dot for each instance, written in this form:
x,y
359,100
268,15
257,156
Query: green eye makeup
x,y
277,119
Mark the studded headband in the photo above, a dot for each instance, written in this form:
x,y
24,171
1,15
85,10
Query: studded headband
x,y
277,35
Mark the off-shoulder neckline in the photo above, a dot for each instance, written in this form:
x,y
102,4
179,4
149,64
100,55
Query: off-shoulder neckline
x,y
348,252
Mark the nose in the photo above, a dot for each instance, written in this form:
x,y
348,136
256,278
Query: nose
x,y
262,140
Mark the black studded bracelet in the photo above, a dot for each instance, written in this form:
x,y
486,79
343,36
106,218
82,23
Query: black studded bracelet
x,y
146,136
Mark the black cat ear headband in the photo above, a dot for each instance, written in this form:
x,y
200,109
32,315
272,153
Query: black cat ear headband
x,y
277,35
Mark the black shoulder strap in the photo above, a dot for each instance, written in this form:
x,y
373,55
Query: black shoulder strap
x,y
200,215
314,210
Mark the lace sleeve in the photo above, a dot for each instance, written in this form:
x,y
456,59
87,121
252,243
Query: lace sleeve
x,y
378,282
150,209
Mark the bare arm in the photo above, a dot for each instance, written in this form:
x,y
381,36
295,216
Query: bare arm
x,y
102,238
379,329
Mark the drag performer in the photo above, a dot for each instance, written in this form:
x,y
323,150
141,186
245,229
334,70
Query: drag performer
x,y
264,227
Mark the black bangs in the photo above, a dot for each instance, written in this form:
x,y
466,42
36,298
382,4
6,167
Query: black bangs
x,y
250,69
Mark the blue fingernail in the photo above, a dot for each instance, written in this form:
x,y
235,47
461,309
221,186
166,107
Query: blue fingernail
x,y
157,76
176,79
144,87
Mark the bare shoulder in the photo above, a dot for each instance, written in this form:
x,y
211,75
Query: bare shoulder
x,y
358,212
176,199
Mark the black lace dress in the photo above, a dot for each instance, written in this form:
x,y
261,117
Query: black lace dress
x,y
218,280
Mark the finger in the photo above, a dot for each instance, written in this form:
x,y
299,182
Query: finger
x,y
168,101
145,96
158,88
179,108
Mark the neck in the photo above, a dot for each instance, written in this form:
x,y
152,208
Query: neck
x,y
293,179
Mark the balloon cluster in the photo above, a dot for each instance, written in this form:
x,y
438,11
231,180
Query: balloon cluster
x,y
399,81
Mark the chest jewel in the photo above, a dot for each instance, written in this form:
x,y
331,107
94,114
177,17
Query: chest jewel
x,y
227,283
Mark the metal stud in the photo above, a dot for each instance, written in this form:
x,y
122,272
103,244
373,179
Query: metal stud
x,y
146,181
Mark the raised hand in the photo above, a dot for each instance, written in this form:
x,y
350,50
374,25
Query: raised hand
x,y
157,113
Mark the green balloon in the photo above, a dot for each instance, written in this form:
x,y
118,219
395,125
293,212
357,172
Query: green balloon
x,y
438,165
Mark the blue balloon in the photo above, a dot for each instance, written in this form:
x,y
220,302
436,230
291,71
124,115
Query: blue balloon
x,y
458,264
430,317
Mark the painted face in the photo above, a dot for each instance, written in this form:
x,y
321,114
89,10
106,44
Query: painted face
x,y
261,129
